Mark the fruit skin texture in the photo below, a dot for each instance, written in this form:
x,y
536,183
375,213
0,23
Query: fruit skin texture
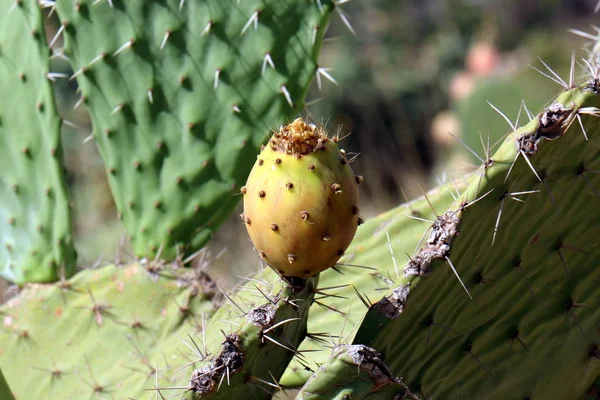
x,y
301,201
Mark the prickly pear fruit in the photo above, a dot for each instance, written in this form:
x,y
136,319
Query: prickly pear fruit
x,y
301,201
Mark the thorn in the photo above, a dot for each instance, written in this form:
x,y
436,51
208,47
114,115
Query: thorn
x,y
79,102
584,34
325,73
555,78
54,75
498,220
572,71
88,138
57,35
392,253
479,198
529,114
127,45
267,61
581,124
206,29
512,126
165,38
236,109
467,147
117,109
253,20
345,20
150,96
314,34
530,165
287,95
456,273
181,3
217,75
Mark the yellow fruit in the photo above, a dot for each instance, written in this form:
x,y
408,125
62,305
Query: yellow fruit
x,y
301,201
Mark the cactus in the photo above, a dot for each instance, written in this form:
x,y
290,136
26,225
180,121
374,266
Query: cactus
x,y
5,392
520,315
354,372
368,267
111,331
37,242
301,201
181,94
261,328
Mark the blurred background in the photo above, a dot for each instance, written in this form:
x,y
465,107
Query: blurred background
x,y
408,73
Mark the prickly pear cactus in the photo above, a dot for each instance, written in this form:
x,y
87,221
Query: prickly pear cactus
x,y
181,94
365,272
253,338
35,221
354,372
502,301
5,392
301,201
111,332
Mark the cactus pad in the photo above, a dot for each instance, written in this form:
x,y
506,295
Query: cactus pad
x,y
111,332
253,338
301,201
181,94
524,241
35,221
354,372
368,267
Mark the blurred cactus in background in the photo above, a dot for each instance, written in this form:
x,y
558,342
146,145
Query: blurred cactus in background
x,y
129,131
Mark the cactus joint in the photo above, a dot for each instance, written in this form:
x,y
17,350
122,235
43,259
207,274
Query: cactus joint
x,y
206,380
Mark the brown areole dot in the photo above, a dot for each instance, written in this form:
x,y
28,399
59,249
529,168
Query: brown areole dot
x,y
304,215
248,221
337,188
243,190
274,227
354,210
360,221
262,255
289,186
359,179
326,237
262,194
344,161
278,161
260,161
311,167
291,258
340,252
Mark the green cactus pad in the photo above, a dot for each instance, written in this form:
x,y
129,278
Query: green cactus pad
x,y
527,253
181,95
367,268
354,372
35,223
253,338
301,201
5,392
112,332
